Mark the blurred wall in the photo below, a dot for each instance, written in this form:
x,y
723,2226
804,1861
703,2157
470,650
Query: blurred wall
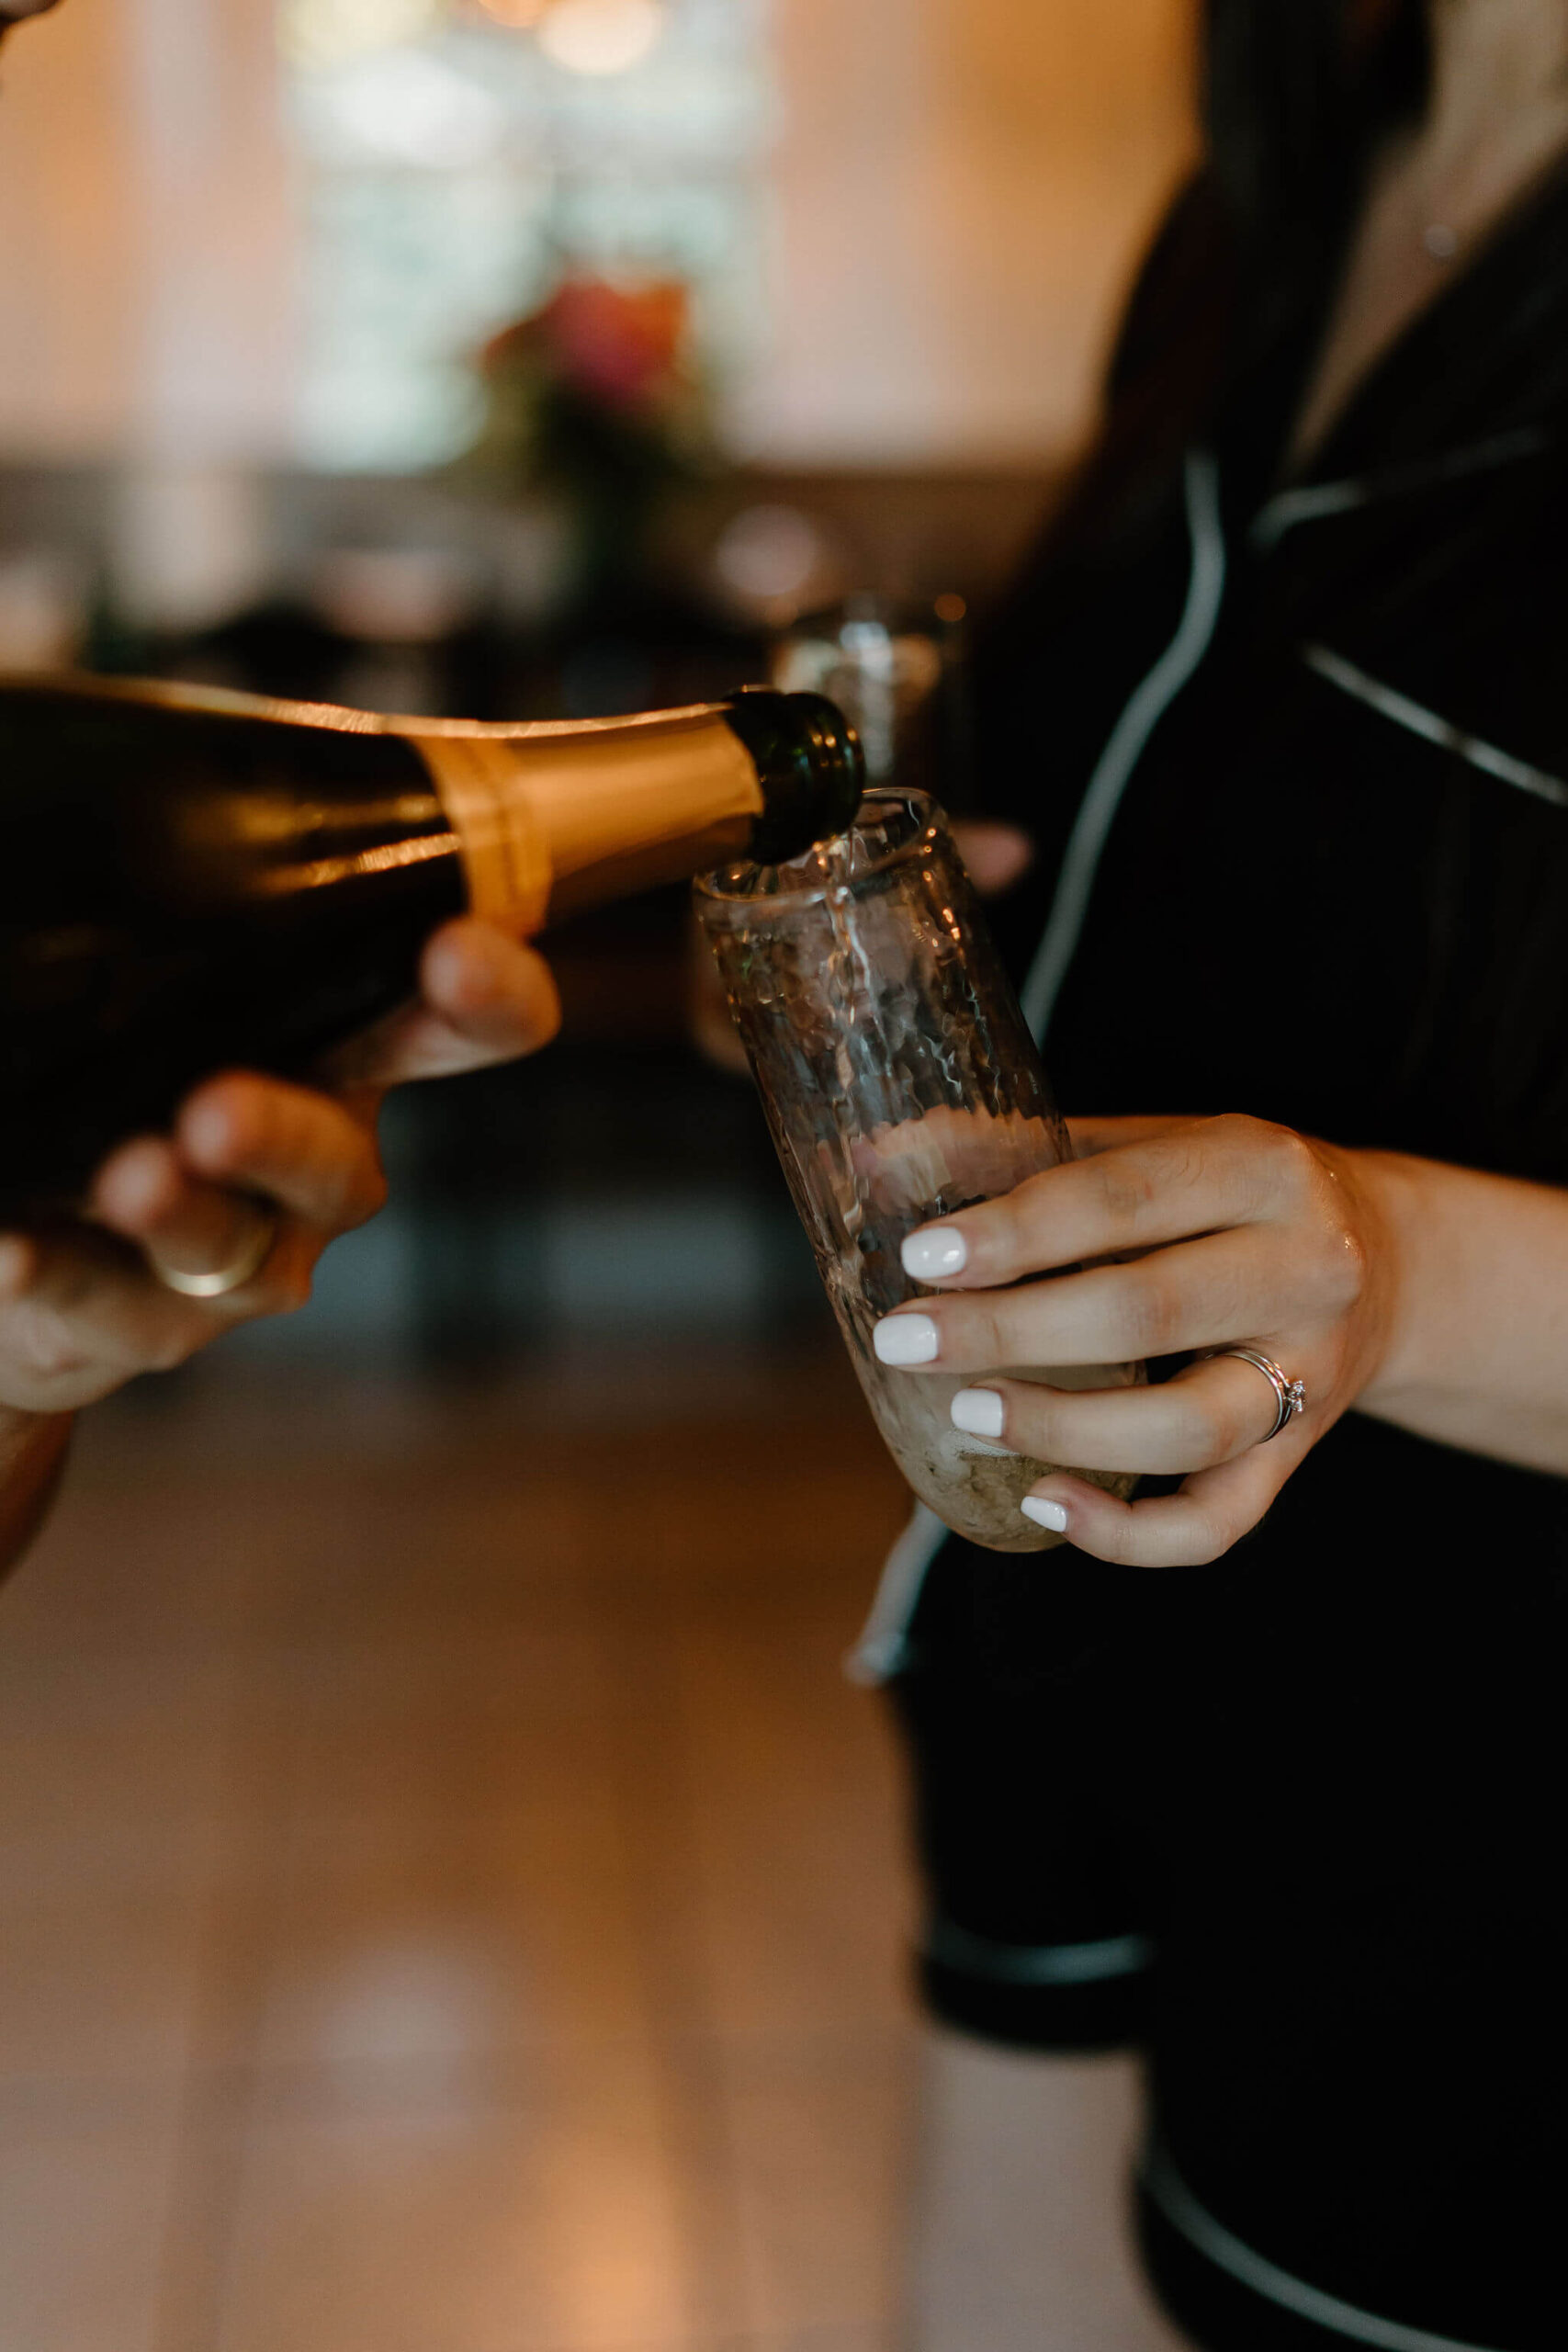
x,y
148,250
959,189
67,314
963,188
217,240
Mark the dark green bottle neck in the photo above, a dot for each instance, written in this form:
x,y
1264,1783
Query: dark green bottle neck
x,y
810,764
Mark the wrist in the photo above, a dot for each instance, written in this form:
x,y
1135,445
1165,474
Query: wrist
x,y
32,1457
1384,1190
1412,1281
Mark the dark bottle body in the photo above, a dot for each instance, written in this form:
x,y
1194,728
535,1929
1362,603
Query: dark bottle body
x,y
186,886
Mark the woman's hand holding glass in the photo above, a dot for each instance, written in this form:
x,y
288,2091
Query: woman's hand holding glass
x,y
1184,1236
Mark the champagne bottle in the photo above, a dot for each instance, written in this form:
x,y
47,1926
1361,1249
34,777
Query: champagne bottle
x,y
193,880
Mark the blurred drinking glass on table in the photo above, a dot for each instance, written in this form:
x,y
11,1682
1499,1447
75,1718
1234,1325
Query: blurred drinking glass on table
x,y
895,669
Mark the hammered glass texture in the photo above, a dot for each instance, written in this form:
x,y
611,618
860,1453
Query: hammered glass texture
x,y
900,1083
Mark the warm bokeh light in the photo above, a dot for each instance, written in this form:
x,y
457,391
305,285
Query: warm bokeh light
x,y
601,36
768,555
521,16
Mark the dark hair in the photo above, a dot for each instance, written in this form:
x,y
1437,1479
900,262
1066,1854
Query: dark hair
x,y
1294,96
1291,87
1295,93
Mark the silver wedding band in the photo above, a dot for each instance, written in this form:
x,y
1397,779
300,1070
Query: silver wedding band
x,y
1289,1395
242,1268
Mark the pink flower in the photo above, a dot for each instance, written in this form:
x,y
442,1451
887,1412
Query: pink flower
x,y
620,346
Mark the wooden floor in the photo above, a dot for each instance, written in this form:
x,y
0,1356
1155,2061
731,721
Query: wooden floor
x,y
452,1900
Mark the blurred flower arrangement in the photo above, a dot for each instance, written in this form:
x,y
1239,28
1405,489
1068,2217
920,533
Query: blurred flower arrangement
x,y
595,398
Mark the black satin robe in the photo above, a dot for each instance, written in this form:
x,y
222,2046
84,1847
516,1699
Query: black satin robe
x,y
1296,1818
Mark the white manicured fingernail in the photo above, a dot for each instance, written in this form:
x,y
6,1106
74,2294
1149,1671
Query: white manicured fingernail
x,y
979,1410
905,1339
1044,1514
934,1250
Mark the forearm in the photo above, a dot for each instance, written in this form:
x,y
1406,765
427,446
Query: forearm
x,y
1477,1350
32,1456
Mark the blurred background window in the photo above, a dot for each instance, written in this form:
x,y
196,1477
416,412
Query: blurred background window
x,y
457,155
907,222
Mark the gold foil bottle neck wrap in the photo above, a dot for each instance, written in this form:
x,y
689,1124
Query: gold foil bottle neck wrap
x,y
554,818
506,858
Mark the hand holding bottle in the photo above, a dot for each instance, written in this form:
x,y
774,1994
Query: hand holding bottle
x,y
194,879
83,1310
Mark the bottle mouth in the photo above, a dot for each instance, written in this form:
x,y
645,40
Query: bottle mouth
x,y
892,827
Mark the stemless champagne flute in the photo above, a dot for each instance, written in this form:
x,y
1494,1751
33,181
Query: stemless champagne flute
x,y
900,1083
